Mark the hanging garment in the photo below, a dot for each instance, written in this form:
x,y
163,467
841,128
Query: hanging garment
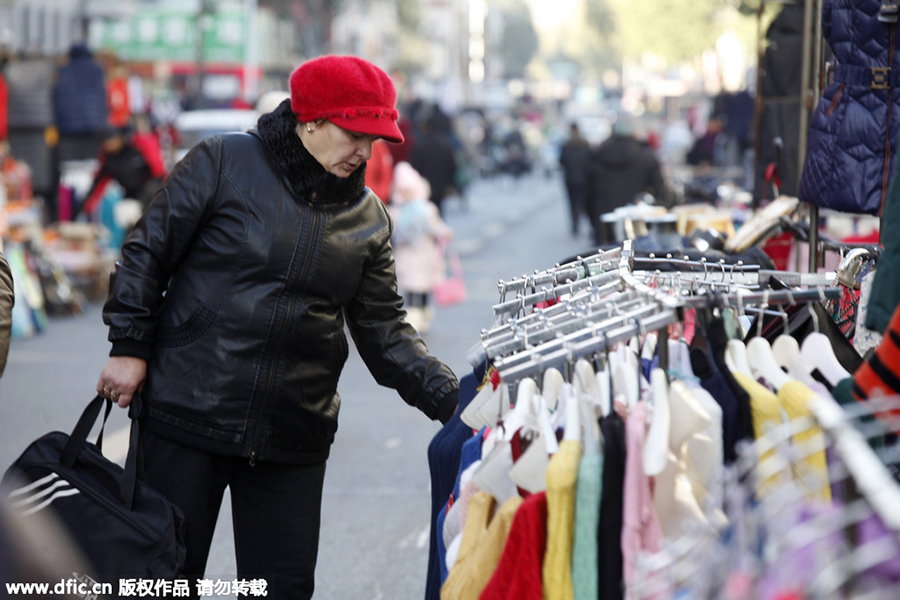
x,y
640,528
518,575
562,475
444,454
588,489
853,132
795,398
865,339
610,562
483,542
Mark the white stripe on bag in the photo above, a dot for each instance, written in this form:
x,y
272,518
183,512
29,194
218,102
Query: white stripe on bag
x,y
45,503
31,486
35,497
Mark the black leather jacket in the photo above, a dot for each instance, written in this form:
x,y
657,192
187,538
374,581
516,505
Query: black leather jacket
x,y
236,284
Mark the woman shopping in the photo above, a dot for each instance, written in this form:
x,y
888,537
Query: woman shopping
x,y
227,312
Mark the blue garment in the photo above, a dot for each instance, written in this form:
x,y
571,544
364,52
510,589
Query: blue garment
x,y
444,453
713,381
79,98
853,131
471,452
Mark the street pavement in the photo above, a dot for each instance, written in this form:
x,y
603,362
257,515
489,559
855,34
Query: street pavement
x,y
376,506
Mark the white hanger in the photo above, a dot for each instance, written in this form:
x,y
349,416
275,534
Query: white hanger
x,y
492,475
494,408
763,363
604,391
487,396
551,384
523,414
530,471
625,377
572,429
648,350
759,354
655,453
586,383
817,353
736,357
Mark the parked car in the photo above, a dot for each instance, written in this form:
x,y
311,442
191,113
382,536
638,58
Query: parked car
x,y
196,125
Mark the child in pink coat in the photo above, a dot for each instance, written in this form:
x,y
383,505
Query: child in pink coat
x,y
418,238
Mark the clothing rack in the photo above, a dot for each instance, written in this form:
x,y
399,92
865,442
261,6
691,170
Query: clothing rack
x,y
588,323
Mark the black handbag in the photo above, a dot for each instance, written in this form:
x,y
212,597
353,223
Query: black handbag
x,y
124,528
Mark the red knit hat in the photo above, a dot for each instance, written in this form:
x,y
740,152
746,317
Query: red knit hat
x,y
348,91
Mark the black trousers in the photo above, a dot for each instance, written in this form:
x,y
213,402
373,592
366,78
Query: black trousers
x,y
275,508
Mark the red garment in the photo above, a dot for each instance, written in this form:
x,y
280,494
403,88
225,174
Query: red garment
x,y
380,170
117,100
400,152
518,576
149,146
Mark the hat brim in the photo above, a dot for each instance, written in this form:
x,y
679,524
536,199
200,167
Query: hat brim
x,y
384,128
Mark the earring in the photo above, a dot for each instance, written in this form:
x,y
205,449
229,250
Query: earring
x,y
309,129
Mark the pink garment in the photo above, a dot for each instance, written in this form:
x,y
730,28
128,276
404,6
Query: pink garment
x,y
640,527
418,231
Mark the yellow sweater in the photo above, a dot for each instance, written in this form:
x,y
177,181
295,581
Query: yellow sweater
x,y
795,397
482,545
562,475
765,410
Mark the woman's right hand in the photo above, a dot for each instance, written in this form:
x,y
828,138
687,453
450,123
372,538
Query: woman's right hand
x,y
121,378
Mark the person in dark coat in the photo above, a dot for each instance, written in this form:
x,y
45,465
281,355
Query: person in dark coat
x,y
621,168
574,158
79,97
228,312
434,157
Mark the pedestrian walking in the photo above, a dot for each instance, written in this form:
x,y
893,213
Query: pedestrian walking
x,y
621,168
574,158
228,310
434,157
418,238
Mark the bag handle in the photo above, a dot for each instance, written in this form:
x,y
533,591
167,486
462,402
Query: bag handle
x,y
79,437
453,261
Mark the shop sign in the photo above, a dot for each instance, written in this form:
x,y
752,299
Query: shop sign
x,y
152,34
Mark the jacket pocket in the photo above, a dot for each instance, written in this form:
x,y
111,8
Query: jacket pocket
x,y
191,330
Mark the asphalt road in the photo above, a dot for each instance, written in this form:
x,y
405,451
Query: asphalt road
x,y
376,508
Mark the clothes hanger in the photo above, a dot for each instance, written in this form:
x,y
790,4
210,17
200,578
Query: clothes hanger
x,y
817,353
572,428
604,390
551,384
762,361
529,472
487,395
786,350
625,377
736,351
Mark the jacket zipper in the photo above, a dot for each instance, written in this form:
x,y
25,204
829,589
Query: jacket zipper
x,y
887,129
270,376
